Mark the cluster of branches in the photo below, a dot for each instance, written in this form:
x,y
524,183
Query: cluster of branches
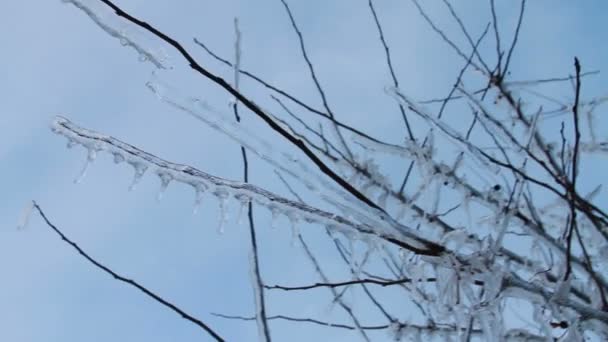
x,y
529,235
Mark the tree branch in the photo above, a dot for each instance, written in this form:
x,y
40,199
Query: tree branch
x,y
131,282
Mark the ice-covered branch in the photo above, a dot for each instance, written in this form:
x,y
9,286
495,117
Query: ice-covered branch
x,y
142,42
222,188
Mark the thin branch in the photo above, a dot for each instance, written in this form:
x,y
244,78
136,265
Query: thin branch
x,y
443,36
313,74
515,37
496,37
261,81
515,334
389,63
446,100
348,283
254,257
307,320
574,170
131,282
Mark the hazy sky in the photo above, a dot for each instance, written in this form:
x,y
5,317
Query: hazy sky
x,y
56,61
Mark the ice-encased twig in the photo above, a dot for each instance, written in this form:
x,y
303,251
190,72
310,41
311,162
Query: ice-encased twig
x,y
483,198
25,215
127,33
242,191
293,166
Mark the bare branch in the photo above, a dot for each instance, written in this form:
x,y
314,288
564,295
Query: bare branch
x,y
130,282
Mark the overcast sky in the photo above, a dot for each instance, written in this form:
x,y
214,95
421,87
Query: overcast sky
x,y
55,60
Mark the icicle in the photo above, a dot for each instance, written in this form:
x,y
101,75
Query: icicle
x,y
165,178
25,215
274,212
139,169
118,158
222,197
239,215
244,201
295,231
71,143
242,205
199,191
91,155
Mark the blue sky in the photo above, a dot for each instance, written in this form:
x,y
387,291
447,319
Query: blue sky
x,y
56,61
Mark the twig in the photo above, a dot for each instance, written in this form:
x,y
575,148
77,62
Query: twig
x,y
574,169
258,292
389,63
307,320
515,37
313,74
131,282
348,283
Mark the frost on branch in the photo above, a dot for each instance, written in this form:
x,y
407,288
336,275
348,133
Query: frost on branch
x,y
221,188
128,34
384,224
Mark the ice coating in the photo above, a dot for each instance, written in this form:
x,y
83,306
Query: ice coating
x,y
128,34
25,215
220,187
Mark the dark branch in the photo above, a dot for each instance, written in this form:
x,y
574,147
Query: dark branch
x,y
255,263
389,63
348,283
131,282
307,320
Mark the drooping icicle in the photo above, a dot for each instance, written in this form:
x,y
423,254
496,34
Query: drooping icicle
x,y
165,178
274,213
25,215
243,203
139,170
295,230
118,158
222,197
71,143
199,191
239,215
91,155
